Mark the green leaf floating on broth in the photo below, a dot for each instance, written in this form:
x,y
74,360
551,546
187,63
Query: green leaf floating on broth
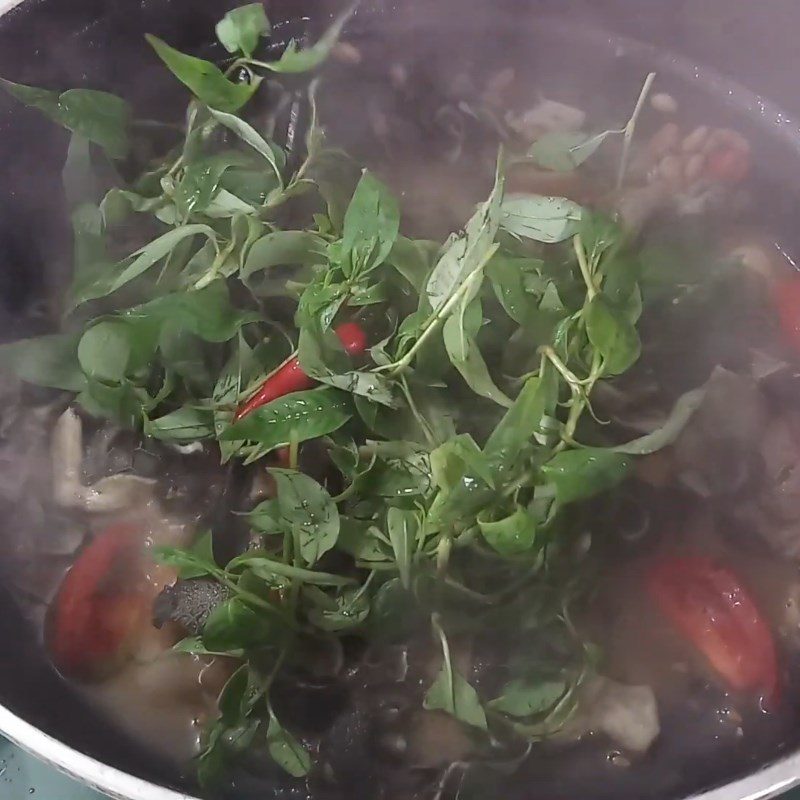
x,y
522,698
241,28
563,152
98,117
286,750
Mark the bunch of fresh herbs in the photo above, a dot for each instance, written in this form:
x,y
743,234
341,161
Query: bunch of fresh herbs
x,y
460,436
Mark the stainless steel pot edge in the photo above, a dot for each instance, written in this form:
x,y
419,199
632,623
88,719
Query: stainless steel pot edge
x,y
105,779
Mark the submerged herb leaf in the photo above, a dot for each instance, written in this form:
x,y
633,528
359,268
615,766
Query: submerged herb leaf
x,y
523,698
564,152
451,692
285,750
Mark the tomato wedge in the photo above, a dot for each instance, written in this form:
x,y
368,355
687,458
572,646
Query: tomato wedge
x,y
101,606
708,605
786,297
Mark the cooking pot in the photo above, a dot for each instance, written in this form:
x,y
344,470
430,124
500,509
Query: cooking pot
x,y
598,46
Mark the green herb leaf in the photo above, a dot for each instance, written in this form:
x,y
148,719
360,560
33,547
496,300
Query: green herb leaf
x,y
510,278
189,563
542,219
235,625
250,136
362,540
100,117
206,313
668,433
580,474
457,457
104,351
302,415
465,255
271,571
46,361
512,536
201,181
308,511
284,248
459,334
241,28
285,750
523,698
402,527
139,262
563,152
187,424
204,79
452,693
350,609
371,225
294,60
612,333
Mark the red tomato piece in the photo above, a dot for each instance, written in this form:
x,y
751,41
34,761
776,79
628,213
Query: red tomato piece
x,y
708,605
786,296
101,607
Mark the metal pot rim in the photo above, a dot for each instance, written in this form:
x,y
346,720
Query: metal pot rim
x,y
765,783
107,780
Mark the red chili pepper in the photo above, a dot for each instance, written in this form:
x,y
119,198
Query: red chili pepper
x,y
289,377
101,606
786,296
707,603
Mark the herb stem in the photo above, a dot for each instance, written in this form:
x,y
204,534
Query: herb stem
x,y
583,263
630,129
441,314
447,659
423,423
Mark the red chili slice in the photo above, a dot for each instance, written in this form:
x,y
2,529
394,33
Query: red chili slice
x,y
707,603
101,607
289,377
